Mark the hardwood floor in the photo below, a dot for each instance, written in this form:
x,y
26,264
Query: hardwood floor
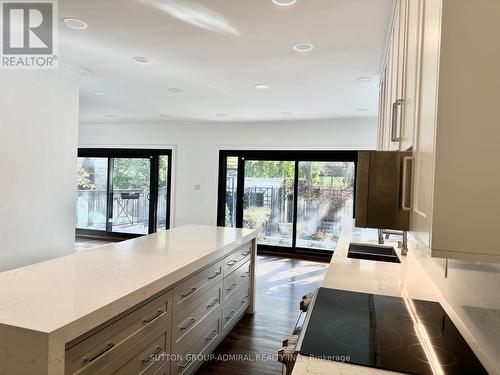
x,y
281,282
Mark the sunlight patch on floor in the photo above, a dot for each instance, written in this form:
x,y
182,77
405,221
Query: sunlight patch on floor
x,y
298,271
264,268
307,281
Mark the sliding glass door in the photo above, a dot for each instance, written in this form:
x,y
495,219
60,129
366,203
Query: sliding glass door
x,y
130,195
298,201
121,192
163,205
268,200
325,203
92,191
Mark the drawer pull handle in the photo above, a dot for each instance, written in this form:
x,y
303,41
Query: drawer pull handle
x,y
244,300
231,313
188,293
231,287
151,357
185,364
232,263
155,316
188,324
108,347
211,335
245,274
214,275
213,303
246,253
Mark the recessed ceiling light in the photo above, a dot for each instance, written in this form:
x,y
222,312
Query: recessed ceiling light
x,y
140,60
175,90
364,79
100,93
303,46
284,2
221,115
261,86
75,23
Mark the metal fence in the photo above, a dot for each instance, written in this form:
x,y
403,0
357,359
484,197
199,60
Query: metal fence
x,y
324,203
130,207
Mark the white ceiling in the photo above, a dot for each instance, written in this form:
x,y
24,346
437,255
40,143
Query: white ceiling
x,y
217,50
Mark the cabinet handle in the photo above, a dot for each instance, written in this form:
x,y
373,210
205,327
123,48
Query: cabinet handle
x,y
232,263
213,303
185,364
244,300
246,253
404,206
394,126
211,335
214,275
231,287
155,316
245,274
188,293
152,356
108,347
231,313
188,324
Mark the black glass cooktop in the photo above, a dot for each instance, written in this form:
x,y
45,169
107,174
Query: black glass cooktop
x,y
390,333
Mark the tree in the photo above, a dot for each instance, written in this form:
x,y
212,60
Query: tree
x,y
83,179
131,173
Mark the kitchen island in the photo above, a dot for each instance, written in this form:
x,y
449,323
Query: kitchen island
x,y
138,306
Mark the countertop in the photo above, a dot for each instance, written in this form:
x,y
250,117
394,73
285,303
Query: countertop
x,y
406,279
69,295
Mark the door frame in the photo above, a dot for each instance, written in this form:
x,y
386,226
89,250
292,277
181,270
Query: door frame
x,y
277,155
154,156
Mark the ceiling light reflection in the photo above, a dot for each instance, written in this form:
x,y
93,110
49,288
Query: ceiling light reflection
x,y
423,337
195,14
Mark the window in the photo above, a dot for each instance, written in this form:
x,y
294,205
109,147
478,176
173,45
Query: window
x,y
298,201
123,192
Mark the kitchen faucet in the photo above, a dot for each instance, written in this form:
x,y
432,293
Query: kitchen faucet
x,y
403,245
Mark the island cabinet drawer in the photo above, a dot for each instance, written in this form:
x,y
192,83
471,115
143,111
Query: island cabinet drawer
x,y
189,358
194,286
186,322
144,358
117,337
163,370
233,310
235,280
237,258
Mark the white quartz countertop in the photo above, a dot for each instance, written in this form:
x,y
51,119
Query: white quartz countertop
x,y
69,295
406,279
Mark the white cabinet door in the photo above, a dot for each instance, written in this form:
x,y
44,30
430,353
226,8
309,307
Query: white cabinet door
x,y
383,118
392,143
409,114
397,71
397,121
424,148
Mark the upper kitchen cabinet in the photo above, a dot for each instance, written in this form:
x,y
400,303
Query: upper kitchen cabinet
x,y
457,164
399,80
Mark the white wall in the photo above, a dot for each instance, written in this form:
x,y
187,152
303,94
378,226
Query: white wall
x,y
38,127
197,145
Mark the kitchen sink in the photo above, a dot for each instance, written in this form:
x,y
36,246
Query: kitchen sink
x,y
373,252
